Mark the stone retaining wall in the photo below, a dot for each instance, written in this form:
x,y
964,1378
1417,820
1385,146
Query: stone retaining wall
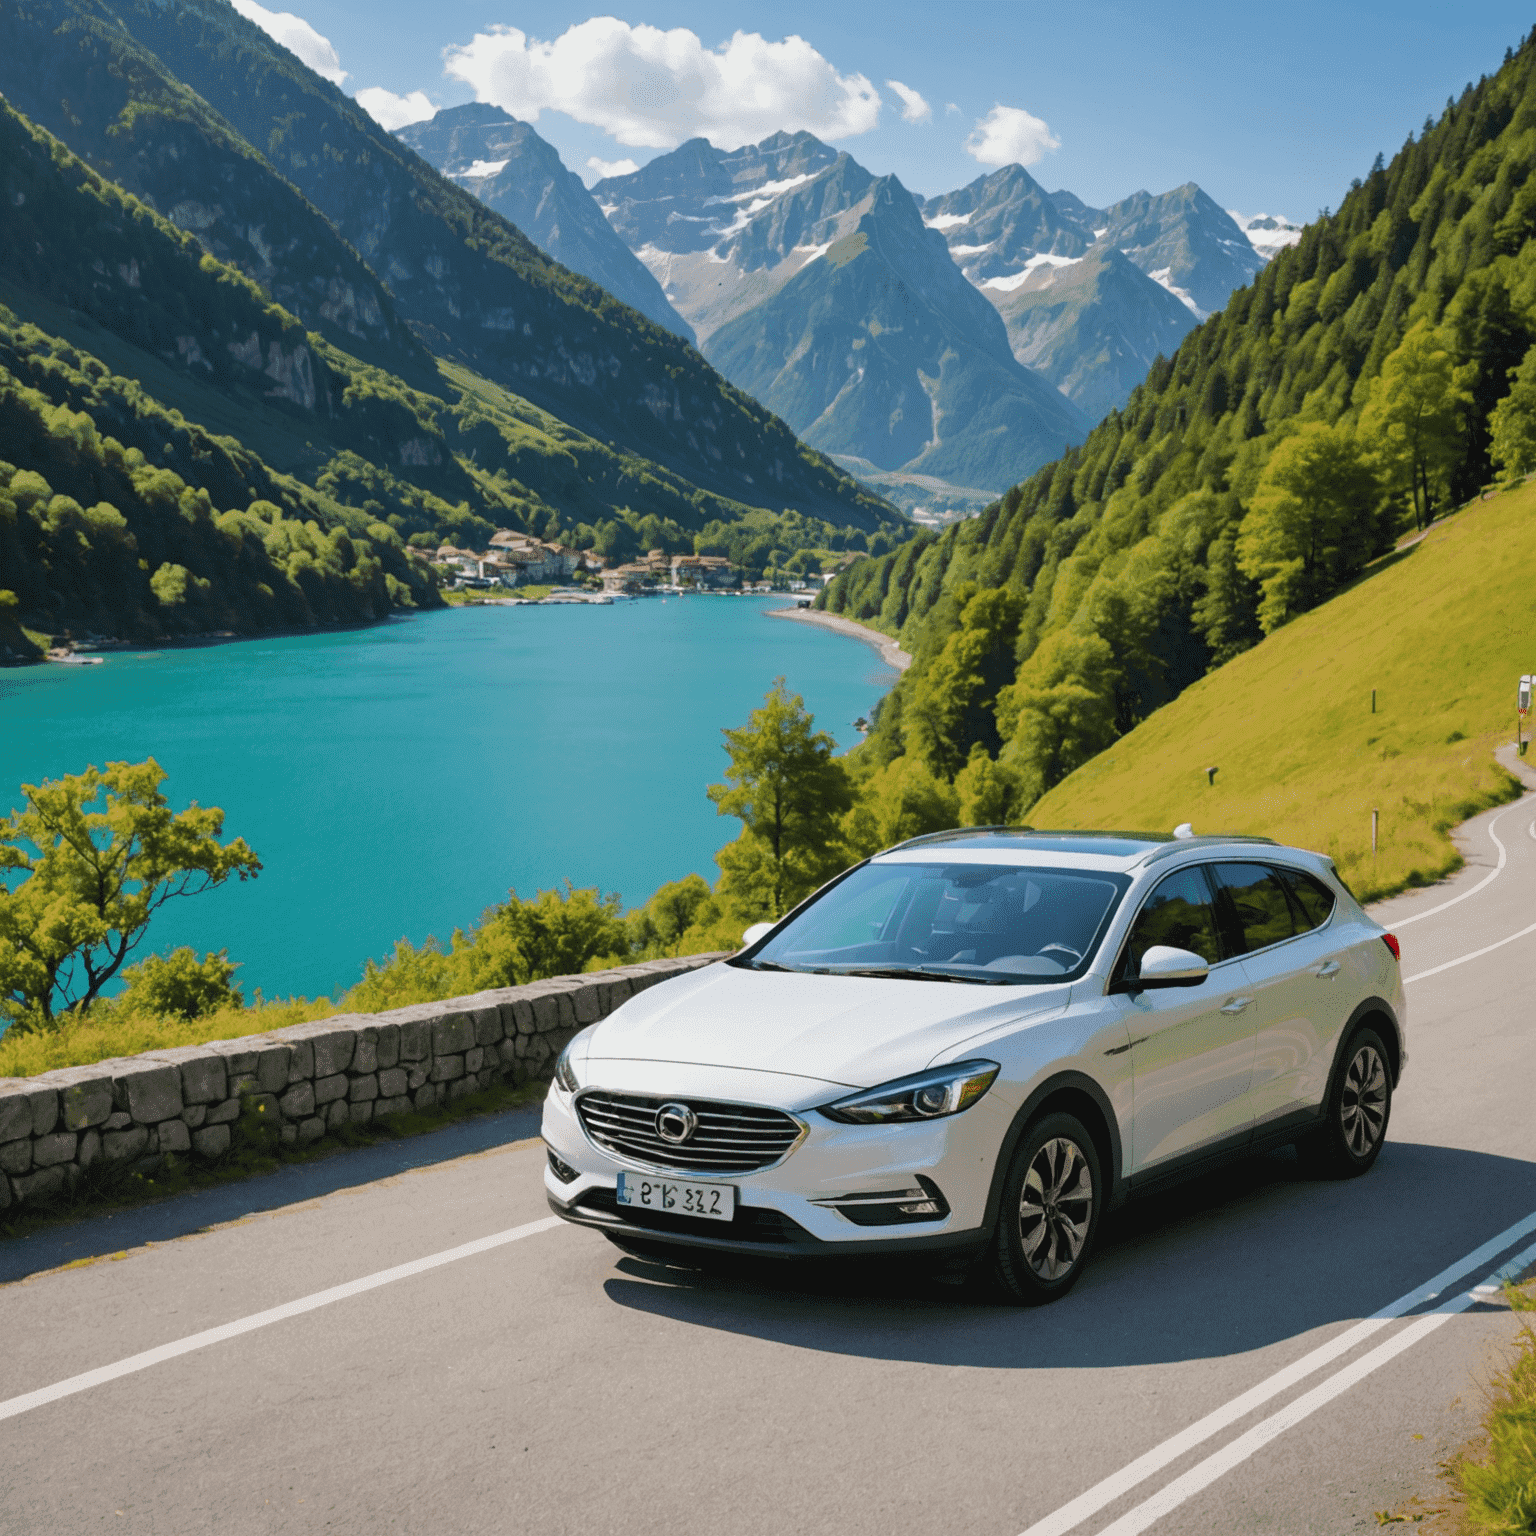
x,y
308,1078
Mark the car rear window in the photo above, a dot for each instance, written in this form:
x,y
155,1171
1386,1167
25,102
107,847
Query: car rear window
x,y
1313,899
1258,905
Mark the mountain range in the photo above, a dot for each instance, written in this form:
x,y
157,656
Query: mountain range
x,y
324,328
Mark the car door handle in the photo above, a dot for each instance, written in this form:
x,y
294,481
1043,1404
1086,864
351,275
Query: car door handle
x,y
1237,1005
1327,969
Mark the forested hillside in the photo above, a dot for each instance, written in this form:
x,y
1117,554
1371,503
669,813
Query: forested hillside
x,y
1347,394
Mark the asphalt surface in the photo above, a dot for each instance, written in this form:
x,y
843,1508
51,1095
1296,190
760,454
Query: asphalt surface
x,y
545,1383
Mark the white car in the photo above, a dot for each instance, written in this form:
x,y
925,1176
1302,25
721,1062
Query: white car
x,y
974,1044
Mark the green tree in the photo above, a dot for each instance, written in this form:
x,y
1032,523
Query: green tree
x,y
658,927
1513,423
518,941
1313,522
903,799
987,791
950,704
180,984
97,855
1059,712
1413,414
789,791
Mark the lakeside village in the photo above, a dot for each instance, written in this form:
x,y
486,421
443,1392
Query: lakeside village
x,y
516,560
563,574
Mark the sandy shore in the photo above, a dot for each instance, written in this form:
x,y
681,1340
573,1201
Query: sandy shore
x,y
890,653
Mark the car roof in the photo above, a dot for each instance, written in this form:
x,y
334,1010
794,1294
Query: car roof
x,y
1066,849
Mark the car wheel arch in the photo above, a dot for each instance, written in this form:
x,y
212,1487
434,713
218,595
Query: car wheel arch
x,y
1378,1012
1076,1094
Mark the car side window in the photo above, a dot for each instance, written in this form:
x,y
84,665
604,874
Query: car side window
x,y
1178,913
1257,906
1314,901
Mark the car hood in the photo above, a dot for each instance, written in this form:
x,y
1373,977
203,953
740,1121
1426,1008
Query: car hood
x,y
850,1030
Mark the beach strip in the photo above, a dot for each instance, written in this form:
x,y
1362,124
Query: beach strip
x,y
890,652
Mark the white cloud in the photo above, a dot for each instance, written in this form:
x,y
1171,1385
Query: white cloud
x,y
951,107
1008,136
297,36
602,169
654,89
391,111
913,108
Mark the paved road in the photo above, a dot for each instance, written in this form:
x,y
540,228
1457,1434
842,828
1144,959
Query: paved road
x,y
542,1383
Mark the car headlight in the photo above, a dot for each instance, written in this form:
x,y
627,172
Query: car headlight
x,y
925,1096
565,1073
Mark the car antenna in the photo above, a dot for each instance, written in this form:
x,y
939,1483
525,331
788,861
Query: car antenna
x,y
1183,830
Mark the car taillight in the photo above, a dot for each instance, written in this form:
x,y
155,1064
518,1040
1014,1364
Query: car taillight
x,y
1390,940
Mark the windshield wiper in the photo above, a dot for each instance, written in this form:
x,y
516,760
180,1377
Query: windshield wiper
x,y
767,965
912,973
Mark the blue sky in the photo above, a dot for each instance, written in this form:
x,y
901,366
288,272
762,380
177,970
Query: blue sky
x,y
1267,108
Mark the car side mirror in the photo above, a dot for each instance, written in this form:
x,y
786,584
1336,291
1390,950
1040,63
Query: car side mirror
x,y
1165,966
754,933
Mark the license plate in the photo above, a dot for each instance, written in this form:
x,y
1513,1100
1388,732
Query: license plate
x,y
714,1202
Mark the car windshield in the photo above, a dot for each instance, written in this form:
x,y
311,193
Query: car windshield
x,y
986,923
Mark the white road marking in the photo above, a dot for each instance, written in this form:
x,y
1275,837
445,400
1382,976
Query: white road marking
x,y
1476,954
1165,1500
226,1331
1487,879
1071,1515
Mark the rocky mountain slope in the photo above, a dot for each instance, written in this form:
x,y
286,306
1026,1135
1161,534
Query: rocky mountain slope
x,y
1097,333
815,287
1092,325
476,290
72,69
508,166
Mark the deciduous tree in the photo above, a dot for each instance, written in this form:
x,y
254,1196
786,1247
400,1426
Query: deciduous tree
x,y
1313,522
84,868
1414,416
789,791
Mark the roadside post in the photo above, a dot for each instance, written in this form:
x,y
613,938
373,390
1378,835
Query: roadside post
x,y
1523,706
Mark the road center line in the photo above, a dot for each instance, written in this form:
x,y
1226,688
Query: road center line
x,y
10,1408
1071,1515
1223,1461
1487,879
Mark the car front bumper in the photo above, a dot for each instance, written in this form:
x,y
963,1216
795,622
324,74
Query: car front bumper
x,y
783,1211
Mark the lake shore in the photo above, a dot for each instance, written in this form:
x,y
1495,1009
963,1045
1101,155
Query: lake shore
x,y
890,652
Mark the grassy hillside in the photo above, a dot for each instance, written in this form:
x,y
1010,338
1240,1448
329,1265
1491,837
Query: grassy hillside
x,y
1442,632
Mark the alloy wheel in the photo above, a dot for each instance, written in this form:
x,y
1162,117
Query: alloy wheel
x,y
1363,1104
1055,1208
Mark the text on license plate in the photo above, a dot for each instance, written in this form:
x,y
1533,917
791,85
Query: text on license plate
x,y
714,1202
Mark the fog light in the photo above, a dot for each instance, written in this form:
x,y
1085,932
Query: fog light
x,y
561,1169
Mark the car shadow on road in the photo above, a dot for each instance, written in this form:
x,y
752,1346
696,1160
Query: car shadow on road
x,y
1221,1265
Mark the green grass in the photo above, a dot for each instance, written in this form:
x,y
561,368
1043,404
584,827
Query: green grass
x,y
1499,1490
467,599
1442,631
105,1032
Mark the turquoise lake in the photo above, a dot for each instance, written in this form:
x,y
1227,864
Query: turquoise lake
x,y
397,780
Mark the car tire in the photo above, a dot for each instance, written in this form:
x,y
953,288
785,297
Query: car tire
x,y
1049,1215
1358,1111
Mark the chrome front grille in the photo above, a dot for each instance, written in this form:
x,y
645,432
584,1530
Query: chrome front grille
x,y
729,1138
